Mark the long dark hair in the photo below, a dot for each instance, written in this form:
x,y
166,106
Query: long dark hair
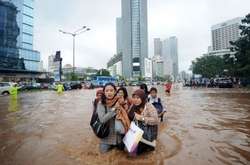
x,y
103,99
124,90
145,88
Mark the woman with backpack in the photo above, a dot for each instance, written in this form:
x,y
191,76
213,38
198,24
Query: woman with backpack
x,y
107,110
146,117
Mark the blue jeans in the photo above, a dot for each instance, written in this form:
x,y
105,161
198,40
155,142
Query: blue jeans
x,y
105,147
119,128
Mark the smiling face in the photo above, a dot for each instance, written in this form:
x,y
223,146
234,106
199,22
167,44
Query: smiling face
x,y
109,92
137,100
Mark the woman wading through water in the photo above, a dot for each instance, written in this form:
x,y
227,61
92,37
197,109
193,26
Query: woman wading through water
x,y
146,117
110,111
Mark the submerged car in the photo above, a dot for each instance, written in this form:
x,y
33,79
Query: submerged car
x,y
225,83
4,88
75,85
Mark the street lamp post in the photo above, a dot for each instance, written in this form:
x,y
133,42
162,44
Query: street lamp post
x,y
74,34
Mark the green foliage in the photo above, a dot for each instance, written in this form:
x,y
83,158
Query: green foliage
x,y
241,66
103,72
122,78
74,77
237,65
141,78
208,66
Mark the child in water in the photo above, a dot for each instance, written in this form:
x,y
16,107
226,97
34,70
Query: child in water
x,y
156,101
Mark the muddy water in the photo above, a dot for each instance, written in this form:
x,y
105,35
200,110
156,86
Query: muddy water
x,y
203,126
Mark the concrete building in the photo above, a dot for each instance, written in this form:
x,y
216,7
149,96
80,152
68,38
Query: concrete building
x,y
118,35
222,34
166,57
225,32
157,67
41,68
148,69
184,76
55,66
157,47
134,37
170,57
52,65
115,65
116,69
80,72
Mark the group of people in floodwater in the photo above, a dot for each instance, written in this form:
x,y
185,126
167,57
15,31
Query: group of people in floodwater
x,y
114,106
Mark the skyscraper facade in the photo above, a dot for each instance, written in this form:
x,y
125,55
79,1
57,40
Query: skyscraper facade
x,y
170,56
134,37
118,35
158,67
9,32
157,47
173,44
24,40
225,32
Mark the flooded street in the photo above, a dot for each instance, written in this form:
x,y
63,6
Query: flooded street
x,y
203,126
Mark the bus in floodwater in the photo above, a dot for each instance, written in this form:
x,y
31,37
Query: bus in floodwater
x,y
99,81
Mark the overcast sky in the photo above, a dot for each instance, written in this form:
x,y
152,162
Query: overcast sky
x,y
189,20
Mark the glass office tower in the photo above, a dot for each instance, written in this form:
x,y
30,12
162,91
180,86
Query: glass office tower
x,y
134,37
9,32
24,40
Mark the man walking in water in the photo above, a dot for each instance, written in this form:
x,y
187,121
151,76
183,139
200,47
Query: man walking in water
x,y
168,87
59,88
14,89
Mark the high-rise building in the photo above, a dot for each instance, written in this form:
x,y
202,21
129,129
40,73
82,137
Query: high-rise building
x,y
134,37
148,68
24,43
225,32
166,57
173,43
9,32
118,35
157,47
170,57
53,65
158,66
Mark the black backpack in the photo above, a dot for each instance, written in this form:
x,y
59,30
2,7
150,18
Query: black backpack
x,y
158,105
101,130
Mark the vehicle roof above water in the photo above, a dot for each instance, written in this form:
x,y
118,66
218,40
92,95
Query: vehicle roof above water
x,y
7,83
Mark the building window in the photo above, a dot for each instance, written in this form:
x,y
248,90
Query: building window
x,y
27,20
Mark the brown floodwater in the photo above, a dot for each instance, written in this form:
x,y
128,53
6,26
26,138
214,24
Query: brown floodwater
x,y
202,126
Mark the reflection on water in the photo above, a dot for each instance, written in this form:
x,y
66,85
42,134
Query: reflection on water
x,y
13,104
203,126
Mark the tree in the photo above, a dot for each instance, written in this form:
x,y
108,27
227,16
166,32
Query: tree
x,y
230,65
103,72
141,78
242,49
74,77
208,66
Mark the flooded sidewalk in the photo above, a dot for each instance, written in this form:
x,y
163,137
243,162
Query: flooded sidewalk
x,y
203,126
